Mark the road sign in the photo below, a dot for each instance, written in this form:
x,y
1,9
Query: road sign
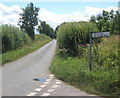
x,y
95,34
100,34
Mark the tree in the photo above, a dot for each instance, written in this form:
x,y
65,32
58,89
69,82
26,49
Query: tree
x,y
46,29
29,19
116,23
108,21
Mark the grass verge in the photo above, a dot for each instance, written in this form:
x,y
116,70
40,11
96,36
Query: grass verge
x,y
76,72
16,54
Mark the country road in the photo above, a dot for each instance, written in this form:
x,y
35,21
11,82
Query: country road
x,y
17,77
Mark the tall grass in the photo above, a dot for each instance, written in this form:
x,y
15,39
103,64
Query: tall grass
x,y
75,71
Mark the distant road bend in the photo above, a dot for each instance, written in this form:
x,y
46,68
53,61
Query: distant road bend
x,y
17,77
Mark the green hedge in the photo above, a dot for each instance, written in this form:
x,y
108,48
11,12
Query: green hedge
x,y
13,38
13,55
70,35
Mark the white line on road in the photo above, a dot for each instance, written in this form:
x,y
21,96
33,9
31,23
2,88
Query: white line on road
x,y
51,75
48,79
37,89
45,94
58,82
50,90
32,94
46,83
42,86
55,86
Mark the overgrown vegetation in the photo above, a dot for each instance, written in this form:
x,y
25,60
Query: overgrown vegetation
x,y
102,80
71,63
75,71
105,54
13,38
71,35
39,41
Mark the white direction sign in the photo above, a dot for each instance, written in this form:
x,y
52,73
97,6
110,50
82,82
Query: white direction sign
x,y
100,34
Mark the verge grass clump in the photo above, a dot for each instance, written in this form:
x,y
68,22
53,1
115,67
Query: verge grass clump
x,y
75,71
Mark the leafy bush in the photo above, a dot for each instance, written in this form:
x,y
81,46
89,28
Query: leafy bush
x,y
105,54
70,35
13,38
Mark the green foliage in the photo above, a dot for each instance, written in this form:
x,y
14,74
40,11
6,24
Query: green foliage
x,y
105,54
75,71
103,79
29,19
44,28
107,21
13,38
71,35
39,41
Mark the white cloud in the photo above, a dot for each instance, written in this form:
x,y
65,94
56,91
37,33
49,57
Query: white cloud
x,y
55,19
10,15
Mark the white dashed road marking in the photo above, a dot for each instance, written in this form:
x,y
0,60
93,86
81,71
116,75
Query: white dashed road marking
x,y
50,90
55,86
42,86
58,82
32,94
48,79
45,94
51,75
37,89
46,83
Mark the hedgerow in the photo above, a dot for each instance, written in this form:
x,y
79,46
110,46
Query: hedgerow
x,y
13,38
71,35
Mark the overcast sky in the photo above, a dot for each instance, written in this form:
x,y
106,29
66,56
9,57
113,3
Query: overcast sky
x,y
55,13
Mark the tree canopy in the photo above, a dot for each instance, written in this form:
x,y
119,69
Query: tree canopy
x,y
44,28
107,21
29,19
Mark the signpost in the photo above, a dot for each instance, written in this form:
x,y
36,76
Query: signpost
x,y
95,34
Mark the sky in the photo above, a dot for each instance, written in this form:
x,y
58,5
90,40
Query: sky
x,y
55,13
